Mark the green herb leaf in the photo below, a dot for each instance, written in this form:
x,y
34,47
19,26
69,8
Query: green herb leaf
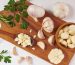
x,y
22,1
1,57
3,52
11,2
24,25
25,14
17,17
10,17
12,24
7,59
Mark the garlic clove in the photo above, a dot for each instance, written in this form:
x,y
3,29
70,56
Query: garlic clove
x,y
73,39
14,51
48,24
40,34
65,35
72,29
29,60
35,19
33,10
63,42
41,44
51,40
61,10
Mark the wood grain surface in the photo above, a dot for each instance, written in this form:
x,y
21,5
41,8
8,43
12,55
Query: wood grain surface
x,y
8,33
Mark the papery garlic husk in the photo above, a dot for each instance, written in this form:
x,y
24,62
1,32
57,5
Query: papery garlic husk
x,y
61,10
35,11
41,44
48,24
51,40
40,34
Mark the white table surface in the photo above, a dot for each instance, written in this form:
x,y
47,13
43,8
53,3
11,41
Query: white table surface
x,y
47,4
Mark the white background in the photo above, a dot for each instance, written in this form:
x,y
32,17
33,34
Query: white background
x,y
47,4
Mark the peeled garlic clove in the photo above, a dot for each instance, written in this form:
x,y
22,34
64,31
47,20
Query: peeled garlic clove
x,y
51,39
65,35
71,45
63,42
73,39
41,44
61,10
14,51
41,34
72,29
48,24
66,29
35,11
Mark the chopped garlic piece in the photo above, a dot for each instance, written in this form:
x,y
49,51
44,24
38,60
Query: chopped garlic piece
x,y
34,36
56,56
24,40
41,44
0,25
30,30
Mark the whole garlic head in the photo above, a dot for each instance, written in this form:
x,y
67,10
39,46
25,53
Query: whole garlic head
x,y
56,56
48,24
61,10
35,11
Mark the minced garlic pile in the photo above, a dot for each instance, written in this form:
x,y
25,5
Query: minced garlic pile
x,y
55,56
23,39
67,36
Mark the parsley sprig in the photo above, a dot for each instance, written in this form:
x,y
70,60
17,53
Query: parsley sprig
x,y
20,7
6,59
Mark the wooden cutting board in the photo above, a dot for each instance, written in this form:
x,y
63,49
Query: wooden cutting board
x,y
9,34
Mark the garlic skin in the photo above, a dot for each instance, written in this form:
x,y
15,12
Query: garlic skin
x,y
56,56
48,24
41,45
61,10
51,40
35,11
40,34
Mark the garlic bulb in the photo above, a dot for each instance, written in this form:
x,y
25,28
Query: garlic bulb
x,y
56,56
61,10
51,39
48,24
35,11
40,34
